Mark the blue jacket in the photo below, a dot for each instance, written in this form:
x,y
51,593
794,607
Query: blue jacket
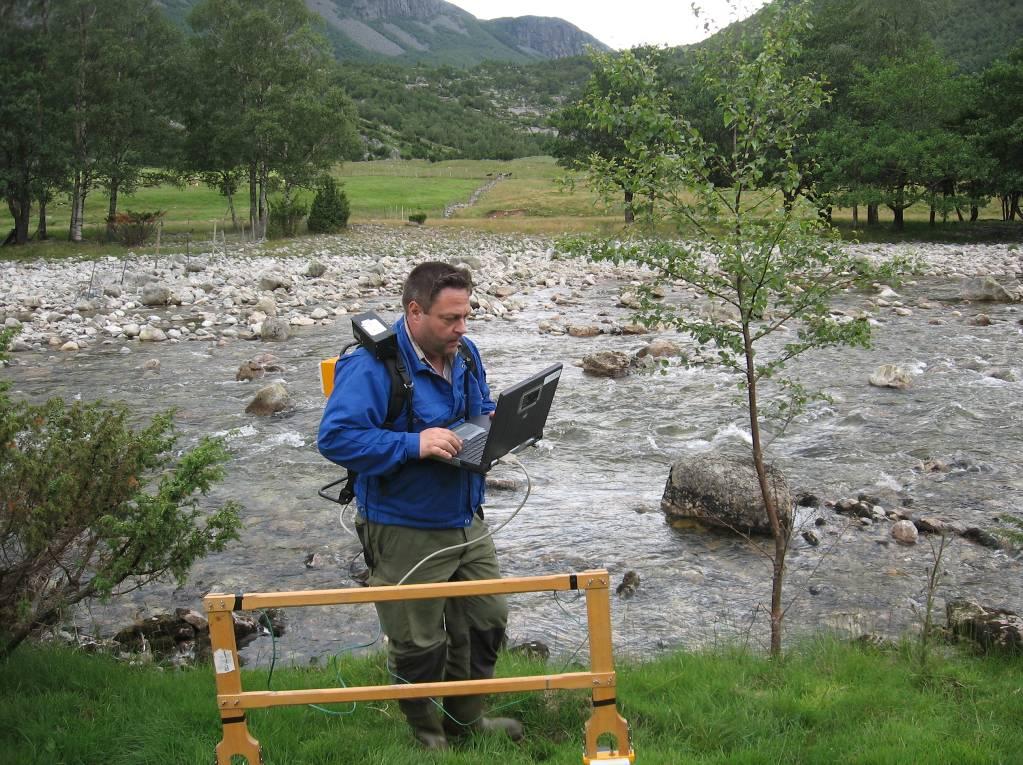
x,y
394,486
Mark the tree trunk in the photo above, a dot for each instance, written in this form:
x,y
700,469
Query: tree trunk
x,y
856,216
778,532
21,209
41,234
112,209
264,207
872,217
899,212
931,220
630,211
1005,207
974,213
1014,207
898,207
77,207
234,213
253,203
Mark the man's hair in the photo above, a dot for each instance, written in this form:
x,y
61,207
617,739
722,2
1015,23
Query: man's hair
x,y
428,279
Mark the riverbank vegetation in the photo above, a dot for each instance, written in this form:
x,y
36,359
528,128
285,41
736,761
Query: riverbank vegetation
x,y
826,702
94,507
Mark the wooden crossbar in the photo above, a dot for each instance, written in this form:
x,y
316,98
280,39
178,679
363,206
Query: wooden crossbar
x,y
600,680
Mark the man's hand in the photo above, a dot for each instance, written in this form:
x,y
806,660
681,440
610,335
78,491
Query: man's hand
x,y
438,442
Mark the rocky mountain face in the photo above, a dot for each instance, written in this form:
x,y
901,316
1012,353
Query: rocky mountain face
x,y
434,31
543,36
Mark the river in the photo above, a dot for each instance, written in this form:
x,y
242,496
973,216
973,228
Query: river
x,y
598,475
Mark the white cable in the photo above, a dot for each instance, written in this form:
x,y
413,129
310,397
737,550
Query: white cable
x,y
529,487
341,520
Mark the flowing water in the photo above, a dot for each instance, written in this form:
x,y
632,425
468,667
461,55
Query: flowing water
x,y
598,476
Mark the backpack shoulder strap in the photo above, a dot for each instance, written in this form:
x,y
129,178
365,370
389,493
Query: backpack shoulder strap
x,y
470,360
400,396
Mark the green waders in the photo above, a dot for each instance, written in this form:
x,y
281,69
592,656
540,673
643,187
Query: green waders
x,y
440,638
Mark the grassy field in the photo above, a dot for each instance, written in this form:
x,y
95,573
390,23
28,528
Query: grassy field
x,y
528,198
827,703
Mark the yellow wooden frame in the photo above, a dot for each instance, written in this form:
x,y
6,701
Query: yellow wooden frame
x,y
232,701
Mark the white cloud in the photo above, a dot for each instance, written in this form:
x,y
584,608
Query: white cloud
x,y
626,24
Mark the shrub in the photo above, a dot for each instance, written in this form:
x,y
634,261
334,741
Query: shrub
x,y
134,229
419,218
330,209
285,215
79,518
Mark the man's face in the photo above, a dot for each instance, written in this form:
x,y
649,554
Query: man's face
x,y
439,331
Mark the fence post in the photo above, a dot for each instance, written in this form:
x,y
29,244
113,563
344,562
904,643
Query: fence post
x,y
605,718
237,739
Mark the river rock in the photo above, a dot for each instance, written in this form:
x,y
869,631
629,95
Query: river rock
x,y
70,345
612,364
990,627
533,649
250,370
267,305
930,525
629,585
891,376
269,400
275,329
904,532
155,295
980,320
270,281
151,334
582,330
315,269
985,289
659,348
981,537
634,329
723,491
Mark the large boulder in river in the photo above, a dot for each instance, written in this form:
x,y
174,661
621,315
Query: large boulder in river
x,y
891,376
988,626
274,329
607,364
269,400
723,491
985,289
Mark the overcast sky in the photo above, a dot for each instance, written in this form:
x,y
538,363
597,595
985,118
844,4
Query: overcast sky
x,y
624,23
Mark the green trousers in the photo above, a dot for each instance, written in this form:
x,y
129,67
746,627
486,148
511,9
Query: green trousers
x,y
440,638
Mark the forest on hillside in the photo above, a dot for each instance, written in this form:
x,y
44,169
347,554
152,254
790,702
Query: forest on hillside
x,y
925,103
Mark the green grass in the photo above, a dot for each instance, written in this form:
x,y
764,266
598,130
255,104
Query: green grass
x,y
529,199
827,702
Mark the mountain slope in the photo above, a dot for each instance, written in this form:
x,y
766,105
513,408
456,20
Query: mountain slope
x,y
432,32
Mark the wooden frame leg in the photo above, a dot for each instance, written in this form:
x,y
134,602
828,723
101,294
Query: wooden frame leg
x,y
238,741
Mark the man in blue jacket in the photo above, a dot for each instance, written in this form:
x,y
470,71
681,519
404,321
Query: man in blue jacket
x,y
409,506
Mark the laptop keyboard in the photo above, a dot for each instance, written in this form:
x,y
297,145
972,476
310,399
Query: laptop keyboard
x,y
472,450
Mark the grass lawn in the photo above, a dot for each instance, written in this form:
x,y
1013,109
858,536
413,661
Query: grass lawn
x,y
826,702
529,199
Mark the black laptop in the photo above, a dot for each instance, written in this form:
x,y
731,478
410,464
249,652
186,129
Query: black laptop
x,y
517,423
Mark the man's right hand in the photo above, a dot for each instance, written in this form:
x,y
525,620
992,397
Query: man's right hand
x,y
438,442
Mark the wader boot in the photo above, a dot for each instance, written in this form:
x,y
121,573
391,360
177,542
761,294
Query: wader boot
x,y
464,714
422,714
